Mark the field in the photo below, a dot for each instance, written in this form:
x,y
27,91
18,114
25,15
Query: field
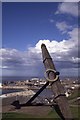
x,y
50,114
46,112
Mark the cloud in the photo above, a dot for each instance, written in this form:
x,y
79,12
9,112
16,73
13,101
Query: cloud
x,y
3,67
63,26
15,58
63,50
64,54
39,0
71,0
68,8
18,63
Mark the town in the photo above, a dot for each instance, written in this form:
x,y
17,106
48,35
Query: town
x,y
37,83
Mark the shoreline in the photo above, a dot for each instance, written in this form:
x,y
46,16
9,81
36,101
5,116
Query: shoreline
x,y
24,91
14,87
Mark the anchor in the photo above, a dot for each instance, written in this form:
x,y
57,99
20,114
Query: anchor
x,y
60,103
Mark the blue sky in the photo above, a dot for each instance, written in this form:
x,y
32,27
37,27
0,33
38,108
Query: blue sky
x,y
26,25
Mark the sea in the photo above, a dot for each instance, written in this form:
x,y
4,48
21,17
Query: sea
x,y
22,78
15,78
5,91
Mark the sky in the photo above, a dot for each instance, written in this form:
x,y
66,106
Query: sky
x,y
26,25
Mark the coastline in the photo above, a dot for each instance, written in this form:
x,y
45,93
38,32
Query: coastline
x,y
24,91
14,87
8,99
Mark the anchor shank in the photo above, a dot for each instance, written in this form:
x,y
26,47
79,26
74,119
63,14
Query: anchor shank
x,y
57,88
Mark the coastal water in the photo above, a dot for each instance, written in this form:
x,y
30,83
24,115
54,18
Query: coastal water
x,y
15,78
44,93
5,91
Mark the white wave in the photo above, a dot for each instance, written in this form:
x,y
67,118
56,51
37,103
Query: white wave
x,y
2,96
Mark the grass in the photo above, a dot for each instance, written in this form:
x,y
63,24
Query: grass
x,y
52,114
16,115
75,112
75,94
